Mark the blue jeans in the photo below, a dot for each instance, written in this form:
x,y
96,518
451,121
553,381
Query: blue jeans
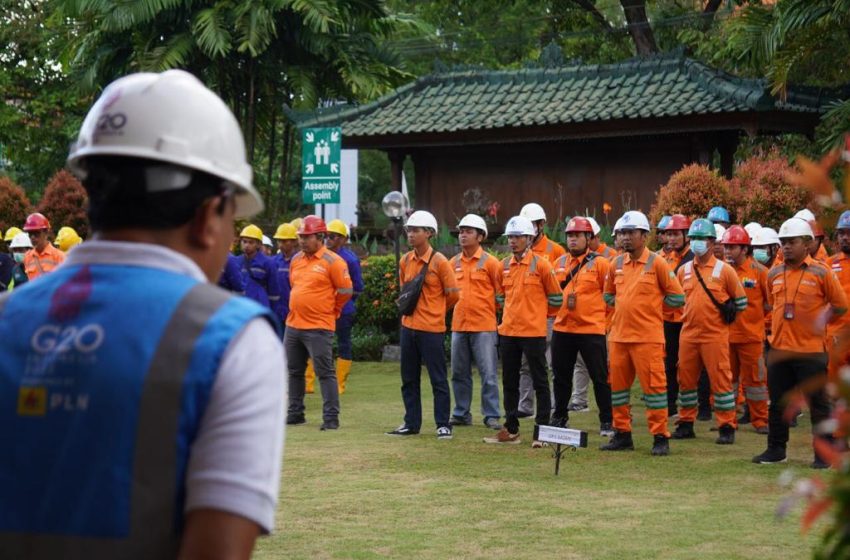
x,y
418,347
343,335
481,347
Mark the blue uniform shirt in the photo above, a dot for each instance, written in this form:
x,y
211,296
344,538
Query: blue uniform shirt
x,y
356,278
231,278
261,282
281,264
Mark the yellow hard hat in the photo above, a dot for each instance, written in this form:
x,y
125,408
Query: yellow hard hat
x,y
338,226
66,238
252,232
296,223
286,231
11,233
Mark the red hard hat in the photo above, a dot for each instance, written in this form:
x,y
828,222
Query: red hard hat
x,y
36,222
817,229
735,235
678,222
312,224
579,224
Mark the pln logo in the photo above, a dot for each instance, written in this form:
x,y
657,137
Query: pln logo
x,y
53,338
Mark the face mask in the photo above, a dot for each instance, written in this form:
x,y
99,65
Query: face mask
x,y
19,257
699,247
761,255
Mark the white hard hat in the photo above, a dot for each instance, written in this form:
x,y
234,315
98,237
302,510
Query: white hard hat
x,y
421,218
795,227
719,231
533,212
267,241
21,240
618,225
634,220
169,117
765,236
473,221
594,225
805,214
520,225
752,228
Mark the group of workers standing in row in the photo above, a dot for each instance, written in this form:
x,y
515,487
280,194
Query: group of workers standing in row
x,y
30,252
751,310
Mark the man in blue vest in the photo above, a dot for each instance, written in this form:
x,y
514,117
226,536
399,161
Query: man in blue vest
x,y
141,407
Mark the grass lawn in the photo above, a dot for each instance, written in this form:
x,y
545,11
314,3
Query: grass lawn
x,y
358,493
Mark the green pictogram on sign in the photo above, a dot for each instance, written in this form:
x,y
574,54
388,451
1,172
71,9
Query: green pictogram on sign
x,y
320,165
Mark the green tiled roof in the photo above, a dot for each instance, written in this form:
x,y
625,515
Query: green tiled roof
x,y
661,86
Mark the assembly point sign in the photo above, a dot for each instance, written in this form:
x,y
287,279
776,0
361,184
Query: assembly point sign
x,y
320,163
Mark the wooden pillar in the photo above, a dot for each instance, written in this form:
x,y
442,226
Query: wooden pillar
x,y
396,168
727,149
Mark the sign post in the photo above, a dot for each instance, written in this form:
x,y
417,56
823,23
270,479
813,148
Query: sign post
x,y
320,165
569,438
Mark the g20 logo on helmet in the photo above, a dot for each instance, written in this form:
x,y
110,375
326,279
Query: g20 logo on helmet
x,y
54,338
110,123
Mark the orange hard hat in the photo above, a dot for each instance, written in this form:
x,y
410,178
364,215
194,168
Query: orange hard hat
x,y
36,222
579,224
736,235
678,222
312,224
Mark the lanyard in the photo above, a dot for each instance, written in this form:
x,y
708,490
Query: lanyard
x,y
797,289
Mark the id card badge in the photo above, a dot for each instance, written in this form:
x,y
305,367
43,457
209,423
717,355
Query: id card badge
x,y
788,314
571,300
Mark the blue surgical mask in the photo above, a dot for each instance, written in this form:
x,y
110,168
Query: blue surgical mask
x,y
761,255
699,247
19,257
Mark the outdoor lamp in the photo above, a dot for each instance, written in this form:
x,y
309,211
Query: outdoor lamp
x,y
394,205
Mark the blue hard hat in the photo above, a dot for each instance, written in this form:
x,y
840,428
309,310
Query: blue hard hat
x,y
662,223
844,220
719,214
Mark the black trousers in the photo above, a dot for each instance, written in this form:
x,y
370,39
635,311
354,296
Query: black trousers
x,y
671,363
594,351
782,378
534,349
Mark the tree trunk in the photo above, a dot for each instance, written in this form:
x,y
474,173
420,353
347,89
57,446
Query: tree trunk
x,y
588,6
271,155
285,159
250,123
639,28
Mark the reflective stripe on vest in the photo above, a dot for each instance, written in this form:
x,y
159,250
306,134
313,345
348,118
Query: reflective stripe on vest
x,y
153,519
618,262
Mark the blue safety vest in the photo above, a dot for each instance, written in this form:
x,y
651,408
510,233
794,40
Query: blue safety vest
x,y
106,373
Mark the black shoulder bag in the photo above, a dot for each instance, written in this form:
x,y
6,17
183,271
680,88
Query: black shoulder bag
x,y
727,310
409,295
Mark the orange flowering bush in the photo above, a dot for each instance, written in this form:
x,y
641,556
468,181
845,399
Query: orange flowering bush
x,y
763,194
376,308
692,191
14,204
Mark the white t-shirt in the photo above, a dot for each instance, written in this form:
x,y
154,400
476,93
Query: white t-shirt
x,y
234,463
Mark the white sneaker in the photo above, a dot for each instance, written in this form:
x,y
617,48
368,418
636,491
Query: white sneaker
x,y
444,432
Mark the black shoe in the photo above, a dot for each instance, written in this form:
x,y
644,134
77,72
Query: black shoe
x,y
295,419
727,435
524,414
606,429
660,446
745,417
685,430
621,441
403,430
819,463
460,421
770,456
704,415
560,423
330,425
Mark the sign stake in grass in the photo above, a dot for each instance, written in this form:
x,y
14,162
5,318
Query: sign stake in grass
x,y
568,438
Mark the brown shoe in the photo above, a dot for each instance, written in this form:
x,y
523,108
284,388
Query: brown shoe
x,y
537,444
504,436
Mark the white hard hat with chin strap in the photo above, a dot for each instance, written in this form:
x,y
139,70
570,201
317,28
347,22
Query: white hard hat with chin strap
x,y
174,119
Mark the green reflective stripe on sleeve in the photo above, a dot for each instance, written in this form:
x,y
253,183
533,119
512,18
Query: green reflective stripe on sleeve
x,y
839,310
674,300
344,291
656,401
555,300
741,303
609,299
688,399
